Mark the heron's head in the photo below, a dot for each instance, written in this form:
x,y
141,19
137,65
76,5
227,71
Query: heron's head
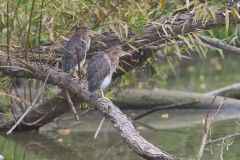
x,y
84,30
117,52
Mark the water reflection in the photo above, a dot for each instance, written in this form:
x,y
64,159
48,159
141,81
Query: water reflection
x,y
178,133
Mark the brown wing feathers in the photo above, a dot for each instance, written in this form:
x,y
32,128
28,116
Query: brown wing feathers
x,y
98,69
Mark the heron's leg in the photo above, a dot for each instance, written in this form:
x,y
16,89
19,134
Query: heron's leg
x,y
102,96
83,72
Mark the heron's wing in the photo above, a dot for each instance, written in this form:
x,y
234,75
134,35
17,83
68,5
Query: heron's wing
x,y
81,51
98,69
68,60
74,53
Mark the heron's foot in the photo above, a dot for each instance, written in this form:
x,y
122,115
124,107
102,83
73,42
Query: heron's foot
x,y
74,79
82,75
102,96
102,99
74,74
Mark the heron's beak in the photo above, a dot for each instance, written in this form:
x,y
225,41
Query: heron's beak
x,y
123,53
93,33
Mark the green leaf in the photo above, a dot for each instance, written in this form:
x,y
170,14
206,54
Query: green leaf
x,y
235,13
177,51
160,4
227,21
213,14
185,40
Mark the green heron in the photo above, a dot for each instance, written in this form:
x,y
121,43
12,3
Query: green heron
x,y
76,49
101,68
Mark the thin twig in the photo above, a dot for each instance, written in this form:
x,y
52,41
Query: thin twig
x,y
28,32
29,108
8,34
208,123
39,34
162,107
221,153
224,89
70,103
222,138
10,26
99,128
35,122
161,46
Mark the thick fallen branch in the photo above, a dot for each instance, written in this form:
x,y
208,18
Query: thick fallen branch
x,y
231,90
79,87
158,97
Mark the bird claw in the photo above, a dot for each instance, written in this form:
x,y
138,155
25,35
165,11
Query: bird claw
x,y
102,99
74,74
102,96
73,79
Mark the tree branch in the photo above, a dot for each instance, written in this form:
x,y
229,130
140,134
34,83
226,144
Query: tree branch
x,y
183,23
79,87
154,32
220,44
221,91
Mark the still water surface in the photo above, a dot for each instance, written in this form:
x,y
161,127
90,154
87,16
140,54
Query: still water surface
x,y
177,131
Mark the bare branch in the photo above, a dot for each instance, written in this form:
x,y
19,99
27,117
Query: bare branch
x,y
208,123
70,103
29,108
223,90
181,24
79,87
220,44
99,128
222,138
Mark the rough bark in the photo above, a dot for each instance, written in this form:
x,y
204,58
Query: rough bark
x,y
79,87
220,44
158,97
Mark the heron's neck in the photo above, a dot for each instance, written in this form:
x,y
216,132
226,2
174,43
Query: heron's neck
x,y
114,62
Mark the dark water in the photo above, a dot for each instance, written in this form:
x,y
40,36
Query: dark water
x,y
176,131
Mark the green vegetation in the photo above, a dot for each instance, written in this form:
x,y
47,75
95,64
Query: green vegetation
x,y
184,62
